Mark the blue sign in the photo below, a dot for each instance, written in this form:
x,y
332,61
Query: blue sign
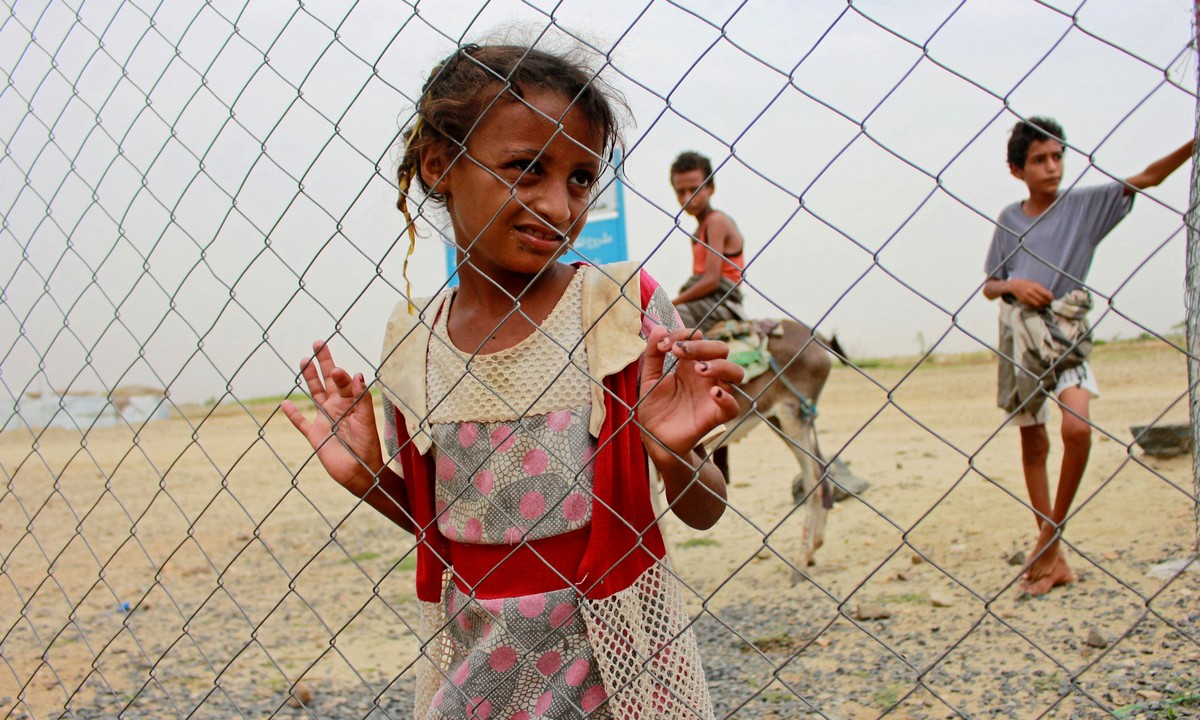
x,y
602,240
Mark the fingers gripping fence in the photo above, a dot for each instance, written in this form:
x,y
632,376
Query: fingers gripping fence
x,y
193,192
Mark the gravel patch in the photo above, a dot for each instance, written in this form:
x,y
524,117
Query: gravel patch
x,y
1079,653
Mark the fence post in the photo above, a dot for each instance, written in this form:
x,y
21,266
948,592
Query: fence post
x,y
1192,294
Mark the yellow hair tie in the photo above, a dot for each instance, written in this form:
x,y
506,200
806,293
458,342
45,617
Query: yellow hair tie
x,y
412,238
405,184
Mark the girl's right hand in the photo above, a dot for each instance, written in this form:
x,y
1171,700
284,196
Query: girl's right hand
x,y
344,433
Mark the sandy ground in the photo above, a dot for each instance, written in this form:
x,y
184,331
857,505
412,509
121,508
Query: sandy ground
x,y
200,566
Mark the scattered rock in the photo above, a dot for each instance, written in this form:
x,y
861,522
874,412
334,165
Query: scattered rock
x,y
1163,441
916,558
302,695
1095,639
871,611
845,483
1016,557
903,575
839,671
939,600
1168,570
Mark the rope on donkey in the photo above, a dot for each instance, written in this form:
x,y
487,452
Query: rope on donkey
x,y
808,408
808,411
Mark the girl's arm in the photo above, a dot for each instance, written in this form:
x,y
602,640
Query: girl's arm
x,y
345,436
696,498
389,497
678,409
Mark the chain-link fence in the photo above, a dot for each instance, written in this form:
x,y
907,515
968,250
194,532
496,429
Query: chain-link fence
x,y
193,192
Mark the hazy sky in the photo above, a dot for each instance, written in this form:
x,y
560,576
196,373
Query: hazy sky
x,y
201,189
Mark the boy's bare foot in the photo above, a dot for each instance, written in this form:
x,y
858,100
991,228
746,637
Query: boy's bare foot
x,y
1060,574
1044,556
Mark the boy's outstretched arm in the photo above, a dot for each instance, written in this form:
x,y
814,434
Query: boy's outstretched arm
x,y
1160,169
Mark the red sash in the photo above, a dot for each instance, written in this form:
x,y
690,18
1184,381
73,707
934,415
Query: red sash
x,y
621,543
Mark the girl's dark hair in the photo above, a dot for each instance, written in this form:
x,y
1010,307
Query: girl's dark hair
x,y
1028,131
462,87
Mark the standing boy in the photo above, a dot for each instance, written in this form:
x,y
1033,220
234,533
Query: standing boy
x,y
1039,259
712,293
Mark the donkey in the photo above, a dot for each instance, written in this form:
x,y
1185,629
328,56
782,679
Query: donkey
x,y
786,397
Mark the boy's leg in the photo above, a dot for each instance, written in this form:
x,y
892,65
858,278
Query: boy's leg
x,y
1048,567
1035,448
1077,447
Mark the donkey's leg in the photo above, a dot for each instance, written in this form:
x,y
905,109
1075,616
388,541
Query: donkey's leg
x,y
827,491
818,514
801,436
719,456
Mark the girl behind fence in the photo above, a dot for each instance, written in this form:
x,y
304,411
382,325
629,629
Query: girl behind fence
x,y
520,408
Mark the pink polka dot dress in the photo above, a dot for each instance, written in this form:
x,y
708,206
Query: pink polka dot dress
x,y
508,439
511,466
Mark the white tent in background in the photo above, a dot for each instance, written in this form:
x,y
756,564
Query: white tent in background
x,y
134,406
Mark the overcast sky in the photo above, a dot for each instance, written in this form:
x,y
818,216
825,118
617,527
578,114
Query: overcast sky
x,y
861,151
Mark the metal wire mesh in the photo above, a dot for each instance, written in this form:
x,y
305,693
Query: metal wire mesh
x,y
193,191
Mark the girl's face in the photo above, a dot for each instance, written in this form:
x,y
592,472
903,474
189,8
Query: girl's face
x,y
519,195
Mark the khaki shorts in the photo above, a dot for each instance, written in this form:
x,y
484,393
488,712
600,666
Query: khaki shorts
x,y
1080,376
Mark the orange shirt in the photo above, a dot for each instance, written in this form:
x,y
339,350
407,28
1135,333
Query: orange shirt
x,y
731,266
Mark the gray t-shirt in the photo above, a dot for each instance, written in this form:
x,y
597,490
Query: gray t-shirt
x,y
1055,249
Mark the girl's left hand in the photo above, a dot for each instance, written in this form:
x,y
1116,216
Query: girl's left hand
x,y
679,408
